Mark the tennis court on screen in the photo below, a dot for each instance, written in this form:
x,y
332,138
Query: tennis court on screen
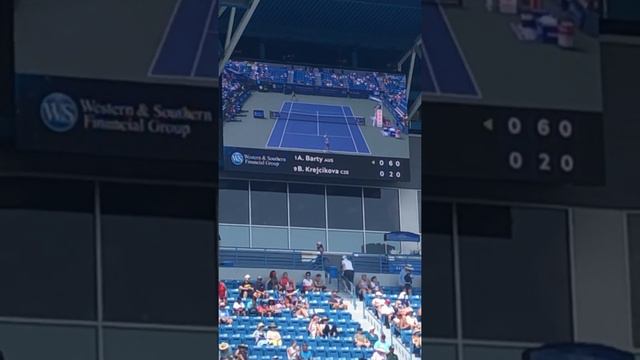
x,y
307,126
189,48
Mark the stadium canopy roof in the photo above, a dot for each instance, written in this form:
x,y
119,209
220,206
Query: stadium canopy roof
x,y
382,24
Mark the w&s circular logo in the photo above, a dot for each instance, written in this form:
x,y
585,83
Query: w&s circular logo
x,y
58,112
237,158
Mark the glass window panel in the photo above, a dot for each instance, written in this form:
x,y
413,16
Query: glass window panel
x,y
19,341
158,254
306,239
492,353
438,351
518,275
344,207
634,264
307,204
233,202
376,245
121,344
345,241
381,209
233,236
437,279
268,203
47,249
268,237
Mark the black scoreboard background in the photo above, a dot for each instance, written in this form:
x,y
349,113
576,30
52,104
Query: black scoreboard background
x,y
501,143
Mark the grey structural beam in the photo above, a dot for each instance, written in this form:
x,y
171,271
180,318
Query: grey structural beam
x,y
230,46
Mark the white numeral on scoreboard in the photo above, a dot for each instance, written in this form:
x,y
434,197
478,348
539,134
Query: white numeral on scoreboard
x,y
515,160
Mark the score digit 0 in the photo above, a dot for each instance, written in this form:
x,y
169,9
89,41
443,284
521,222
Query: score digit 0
x,y
515,160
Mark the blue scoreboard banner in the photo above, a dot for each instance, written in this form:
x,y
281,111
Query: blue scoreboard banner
x,y
115,118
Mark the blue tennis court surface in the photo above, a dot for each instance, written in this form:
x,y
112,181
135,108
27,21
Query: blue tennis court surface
x,y
189,48
304,126
447,70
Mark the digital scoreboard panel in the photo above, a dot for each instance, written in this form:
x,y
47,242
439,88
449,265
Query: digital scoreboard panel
x,y
310,121
520,100
534,145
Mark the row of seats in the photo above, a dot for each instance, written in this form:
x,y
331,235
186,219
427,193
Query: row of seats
x,y
322,353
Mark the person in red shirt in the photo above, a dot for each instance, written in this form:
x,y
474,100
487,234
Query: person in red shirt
x,y
284,281
222,293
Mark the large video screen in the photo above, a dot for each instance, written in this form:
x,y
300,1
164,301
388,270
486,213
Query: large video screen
x,y
306,120
117,78
518,84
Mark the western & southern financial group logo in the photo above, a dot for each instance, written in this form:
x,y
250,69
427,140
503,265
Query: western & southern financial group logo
x,y
58,112
237,158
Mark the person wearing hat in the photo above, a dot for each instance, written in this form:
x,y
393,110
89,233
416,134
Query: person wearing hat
x,y
405,275
224,352
259,335
242,352
391,355
239,308
336,302
273,335
378,301
347,271
327,329
314,327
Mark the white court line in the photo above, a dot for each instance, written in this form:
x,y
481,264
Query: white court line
x,y
164,38
285,125
205,32
460,52
318,122
349,127
275,123
363,137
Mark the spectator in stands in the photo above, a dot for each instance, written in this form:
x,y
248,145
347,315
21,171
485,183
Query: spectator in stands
x,y
391,355
224,318
363,287
284,281
386,313
301,309
360,339
405,275
259,335
242,353
273,336
273,283
293,351
314,326
305,353
273,309
262,307
372,336
382,343
239,308
378,301
222,293
318,283
307,283
416,340
336,302
374,284
380,353
223,354
259,290
320,260
347,271
246,285
327,328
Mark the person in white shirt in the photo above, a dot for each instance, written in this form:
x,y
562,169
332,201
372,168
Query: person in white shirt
x,y
386,312
307,282
347,271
